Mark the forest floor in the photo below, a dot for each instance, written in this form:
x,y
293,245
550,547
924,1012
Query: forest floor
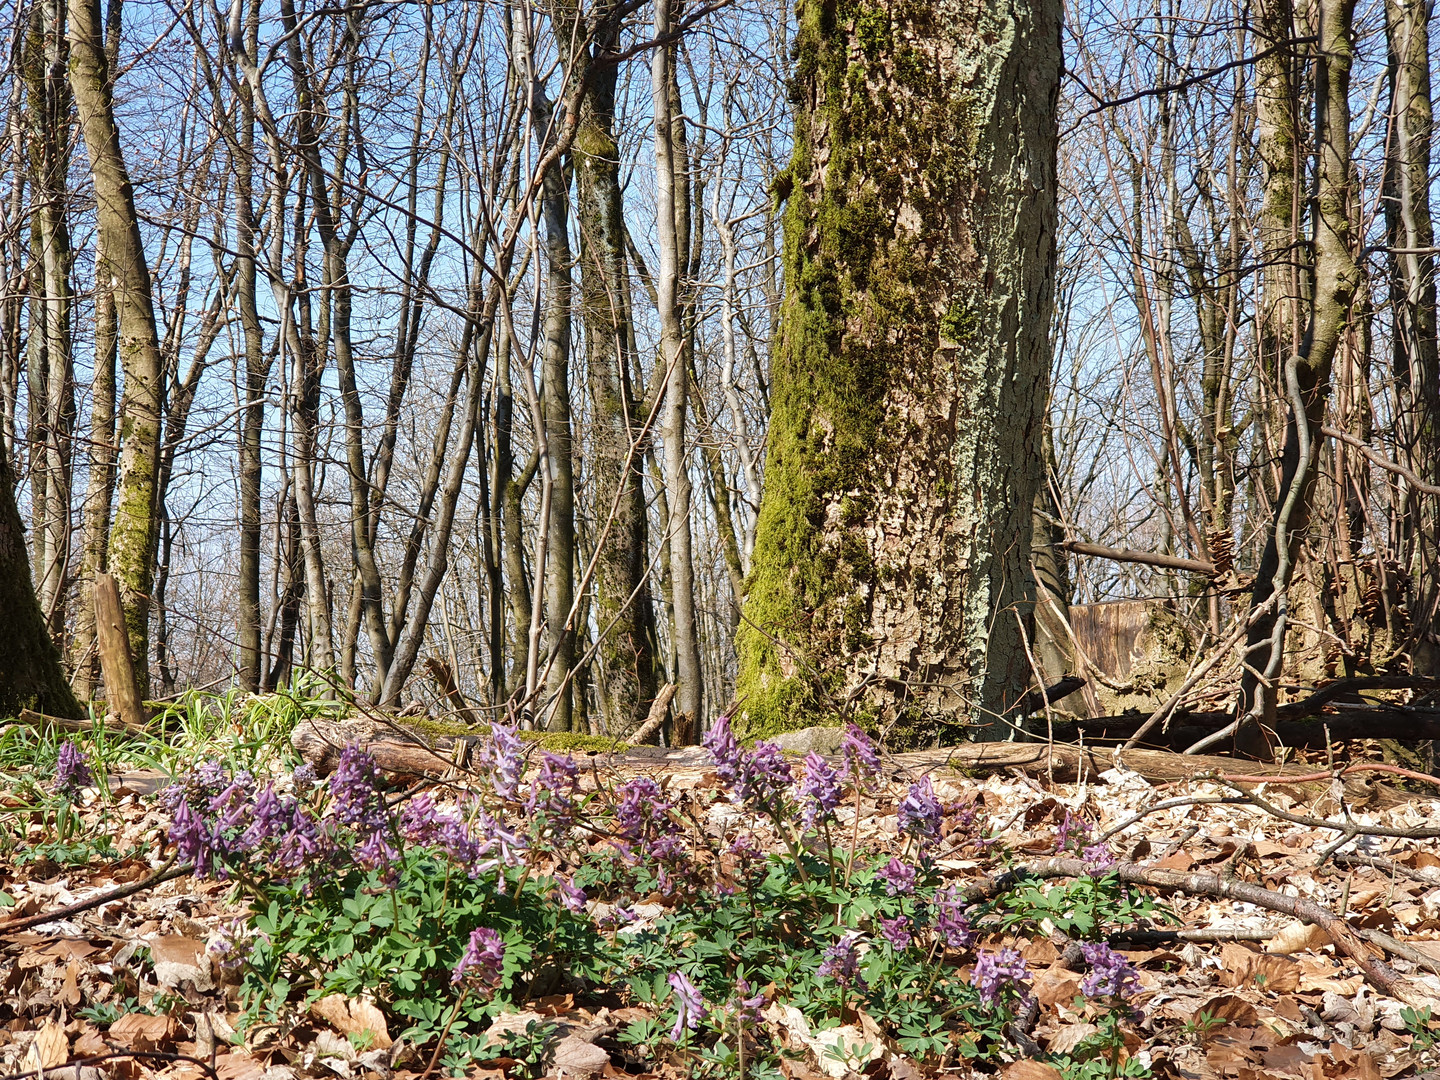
x,y
1227,987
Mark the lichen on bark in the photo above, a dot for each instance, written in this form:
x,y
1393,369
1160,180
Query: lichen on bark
x,y
891,564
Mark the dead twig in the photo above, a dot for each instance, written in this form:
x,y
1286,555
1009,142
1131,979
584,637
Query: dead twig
x,y
168,872
1379,974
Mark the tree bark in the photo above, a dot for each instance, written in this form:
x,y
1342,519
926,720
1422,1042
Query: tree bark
x,y
893,549
131,555
671,227
31,676
1306,374
1411,235
625,682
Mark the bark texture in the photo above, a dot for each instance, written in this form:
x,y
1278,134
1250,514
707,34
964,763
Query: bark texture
x,y
131,554
892,557
625,680
30,673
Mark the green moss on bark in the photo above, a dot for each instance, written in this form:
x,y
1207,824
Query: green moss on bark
x,y
907,263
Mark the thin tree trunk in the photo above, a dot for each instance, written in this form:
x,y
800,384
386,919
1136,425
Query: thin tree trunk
x,y
131,554
674,377
1306,373
1410,233
626,683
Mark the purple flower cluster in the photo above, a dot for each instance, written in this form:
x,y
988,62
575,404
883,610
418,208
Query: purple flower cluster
x,y
747,1005
818,791
860,761
758,778
422,823
997,972
1098,858
211,813
920,812
482,962
689,1005
842,963
553,789
228,948
571,896
950,920
642,818
72,771
897,931
1111,975
899,878
501,760
296,835
358,802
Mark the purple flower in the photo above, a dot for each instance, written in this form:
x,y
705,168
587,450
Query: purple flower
x,y
997,972
725,749
483,959
553,790
643,815
842,963
355,791
193,839
227,949
860,760
689,1005
571,895
757,778
950,920
1098,858
747,1006
896,931
1111,975
1073,831
818,791
501,760
304,777
899,878
920,811
72,772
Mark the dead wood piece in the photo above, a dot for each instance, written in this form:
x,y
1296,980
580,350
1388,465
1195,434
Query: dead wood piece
x,y
122,692
1400,949
1036,700
1149,558
397,750
658,708
1202,935
1344,937
65,723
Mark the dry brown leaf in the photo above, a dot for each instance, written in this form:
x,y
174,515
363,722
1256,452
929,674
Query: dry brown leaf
x,y
352,1017
90,1042
239,1065
1030,1070
1069,1037
1180,860
1297,937
1053,987
1242,967
50,1049
137,1031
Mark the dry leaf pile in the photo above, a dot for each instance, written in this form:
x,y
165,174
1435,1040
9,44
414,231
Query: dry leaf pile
x,y
1236,990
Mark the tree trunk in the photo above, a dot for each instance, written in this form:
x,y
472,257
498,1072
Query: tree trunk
x,y
1411,236
51,381
131,554
892,558
1306,373
625,683
671,228
30,673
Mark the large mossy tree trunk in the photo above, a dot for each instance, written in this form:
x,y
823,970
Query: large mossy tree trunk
x,y
892,558
31,676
